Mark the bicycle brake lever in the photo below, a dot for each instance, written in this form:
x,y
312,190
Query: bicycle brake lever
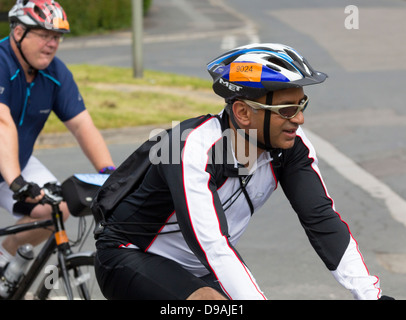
x,y
50,197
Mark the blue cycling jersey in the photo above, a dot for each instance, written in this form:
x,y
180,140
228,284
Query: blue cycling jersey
x,y
53,89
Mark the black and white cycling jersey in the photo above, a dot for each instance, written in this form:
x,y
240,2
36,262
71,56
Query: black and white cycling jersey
x,y
194,205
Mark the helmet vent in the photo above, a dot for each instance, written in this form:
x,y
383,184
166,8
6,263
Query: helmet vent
x,y
292,55
273,67
39,12
281,63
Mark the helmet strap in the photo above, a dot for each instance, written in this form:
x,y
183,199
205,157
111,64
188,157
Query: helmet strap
x,y
31,69
267,138
267,121
247,137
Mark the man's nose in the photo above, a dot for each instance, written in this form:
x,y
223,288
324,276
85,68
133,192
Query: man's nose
x,y
299,118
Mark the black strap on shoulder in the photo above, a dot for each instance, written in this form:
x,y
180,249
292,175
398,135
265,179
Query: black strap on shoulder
x,y
244,183
31,69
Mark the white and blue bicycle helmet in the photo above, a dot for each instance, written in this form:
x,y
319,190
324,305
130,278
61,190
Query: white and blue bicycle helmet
x,y
253,70
256,70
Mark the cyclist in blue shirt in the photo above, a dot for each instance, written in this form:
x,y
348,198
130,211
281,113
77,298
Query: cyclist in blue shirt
x,y
33,82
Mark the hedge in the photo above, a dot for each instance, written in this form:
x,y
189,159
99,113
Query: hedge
x,y
90,16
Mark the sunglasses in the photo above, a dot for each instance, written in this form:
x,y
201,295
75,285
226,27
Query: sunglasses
x,y
286,111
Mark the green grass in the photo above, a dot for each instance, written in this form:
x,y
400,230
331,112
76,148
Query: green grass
x,y
116,99
105,74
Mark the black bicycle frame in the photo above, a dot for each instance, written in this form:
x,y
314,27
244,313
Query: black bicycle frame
x,y
45,253
34,270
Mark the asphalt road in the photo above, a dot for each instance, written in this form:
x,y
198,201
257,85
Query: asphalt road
x,y
357,119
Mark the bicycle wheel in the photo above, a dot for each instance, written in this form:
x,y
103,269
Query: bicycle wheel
x,y
80,267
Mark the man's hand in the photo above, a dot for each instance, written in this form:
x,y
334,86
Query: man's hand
x,y
25,191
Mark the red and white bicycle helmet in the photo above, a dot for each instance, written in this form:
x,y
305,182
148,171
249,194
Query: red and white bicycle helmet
x,y
45,14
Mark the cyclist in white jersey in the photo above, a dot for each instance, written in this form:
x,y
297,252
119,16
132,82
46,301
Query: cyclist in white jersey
x,y
170,216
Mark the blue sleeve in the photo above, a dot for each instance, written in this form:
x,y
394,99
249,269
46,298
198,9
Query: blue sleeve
x,y
4,77
69,102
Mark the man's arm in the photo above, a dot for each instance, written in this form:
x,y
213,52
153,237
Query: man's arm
x,y
90,140
9,163
329,235
9,160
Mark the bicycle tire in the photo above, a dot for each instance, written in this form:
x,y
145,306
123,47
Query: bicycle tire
x,y
80,267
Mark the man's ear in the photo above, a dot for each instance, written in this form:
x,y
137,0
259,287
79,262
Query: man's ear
x,y
242,113
18,32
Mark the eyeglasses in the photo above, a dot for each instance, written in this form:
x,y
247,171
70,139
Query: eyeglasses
x,y
286,111
47,37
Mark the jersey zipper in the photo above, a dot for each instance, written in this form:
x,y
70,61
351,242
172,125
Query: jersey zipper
x,y
26,103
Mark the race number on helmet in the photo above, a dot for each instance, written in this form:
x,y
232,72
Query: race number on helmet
x,y
252,71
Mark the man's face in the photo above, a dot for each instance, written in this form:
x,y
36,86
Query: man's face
x,y
282,131
39,46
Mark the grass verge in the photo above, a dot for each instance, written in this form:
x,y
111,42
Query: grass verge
x,y
115,99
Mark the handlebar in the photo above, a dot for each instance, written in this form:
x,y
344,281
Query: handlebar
x,y
77,191
52,194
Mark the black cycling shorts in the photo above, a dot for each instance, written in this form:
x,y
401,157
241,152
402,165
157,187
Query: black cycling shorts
x,y
131,274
